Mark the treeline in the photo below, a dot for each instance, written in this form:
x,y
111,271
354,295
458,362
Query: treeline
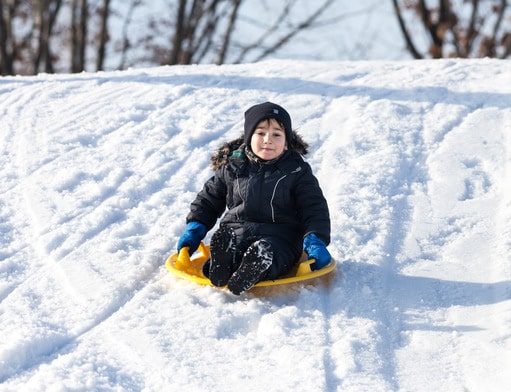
x,y
76,35
455,28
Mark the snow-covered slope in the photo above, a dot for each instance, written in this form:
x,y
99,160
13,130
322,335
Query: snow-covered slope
x,y
96,175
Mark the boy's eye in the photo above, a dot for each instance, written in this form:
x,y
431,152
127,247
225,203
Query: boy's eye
x,y
262,133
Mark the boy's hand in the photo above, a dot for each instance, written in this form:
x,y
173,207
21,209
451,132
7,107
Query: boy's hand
x,y
195,232
316,249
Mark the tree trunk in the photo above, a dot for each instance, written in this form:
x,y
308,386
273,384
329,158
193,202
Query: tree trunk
x,y
79,19
45,17
103,35
177,39
6,44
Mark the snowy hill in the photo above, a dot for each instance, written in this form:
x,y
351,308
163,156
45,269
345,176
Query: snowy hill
x,y
97,172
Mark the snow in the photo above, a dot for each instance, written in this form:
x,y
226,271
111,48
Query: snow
x,y
97,172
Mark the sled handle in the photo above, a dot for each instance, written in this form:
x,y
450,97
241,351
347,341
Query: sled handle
x,y
304,268
183,258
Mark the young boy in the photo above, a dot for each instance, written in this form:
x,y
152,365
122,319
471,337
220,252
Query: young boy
x,y
274,205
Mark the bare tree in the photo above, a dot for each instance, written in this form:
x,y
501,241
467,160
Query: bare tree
x,y
73,35
195,26
103,35
79,19
204,29
45,15
482,33
7,47
29,46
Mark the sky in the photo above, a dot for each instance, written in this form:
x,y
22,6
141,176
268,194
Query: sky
x,y
97,174
359,30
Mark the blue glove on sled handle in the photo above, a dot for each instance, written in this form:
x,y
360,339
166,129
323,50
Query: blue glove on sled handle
x,y
316,249
195,232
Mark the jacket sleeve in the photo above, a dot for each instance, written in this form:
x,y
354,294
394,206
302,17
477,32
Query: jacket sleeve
x,y
210,202
311,205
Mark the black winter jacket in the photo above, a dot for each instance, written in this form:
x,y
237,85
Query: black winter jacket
x,y
281,200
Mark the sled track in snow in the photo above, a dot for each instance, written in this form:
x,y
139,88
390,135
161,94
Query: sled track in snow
x,y
413,164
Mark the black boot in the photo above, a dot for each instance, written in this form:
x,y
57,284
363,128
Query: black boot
x,y
223,250
256,261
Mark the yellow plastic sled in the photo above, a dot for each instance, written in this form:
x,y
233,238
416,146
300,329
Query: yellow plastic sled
x,y
191,268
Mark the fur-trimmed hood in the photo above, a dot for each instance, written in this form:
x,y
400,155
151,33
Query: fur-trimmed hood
x,y
222,154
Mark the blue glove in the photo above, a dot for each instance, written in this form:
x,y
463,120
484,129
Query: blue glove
x,y
195,232
316,249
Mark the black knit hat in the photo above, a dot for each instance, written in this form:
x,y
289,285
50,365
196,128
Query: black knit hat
x,y
264,111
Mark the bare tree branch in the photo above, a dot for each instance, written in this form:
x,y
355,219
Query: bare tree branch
x,y
496,28
228,32
406,34
124,35
259,42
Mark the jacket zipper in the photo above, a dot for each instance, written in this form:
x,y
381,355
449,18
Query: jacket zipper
x,y
239,192
273,196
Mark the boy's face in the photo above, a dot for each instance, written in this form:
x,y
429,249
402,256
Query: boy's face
x,y
268,140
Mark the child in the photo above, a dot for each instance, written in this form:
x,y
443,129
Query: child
x,y
274,205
